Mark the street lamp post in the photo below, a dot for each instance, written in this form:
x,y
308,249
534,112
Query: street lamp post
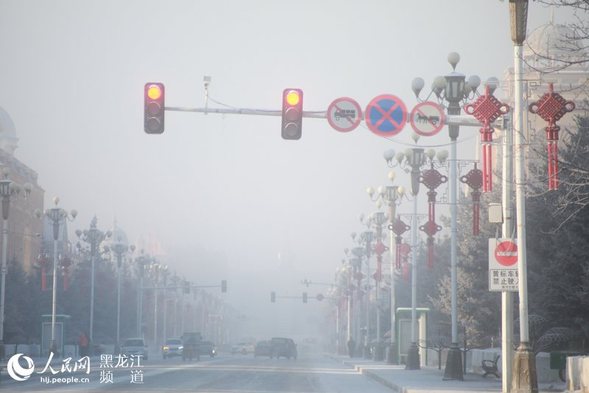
x,y
141,263
165,274
415,158
358,253
56,215
453,89
94,237
119,246
7,189
367,237
525,378
390,195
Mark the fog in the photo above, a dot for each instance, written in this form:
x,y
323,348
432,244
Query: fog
x,y
224,195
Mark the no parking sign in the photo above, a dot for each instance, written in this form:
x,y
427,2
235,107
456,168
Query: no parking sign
x,y
386,115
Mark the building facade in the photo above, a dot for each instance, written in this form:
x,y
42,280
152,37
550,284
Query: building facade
x,y
25,226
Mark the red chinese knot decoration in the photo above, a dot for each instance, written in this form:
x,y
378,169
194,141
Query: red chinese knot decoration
x,y
432,179
398,227
42,262
486,109
474,179
551,107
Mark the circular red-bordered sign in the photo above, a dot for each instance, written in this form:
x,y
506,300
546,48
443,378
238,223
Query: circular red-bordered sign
x,y
386,115
506,253
344,114
427,118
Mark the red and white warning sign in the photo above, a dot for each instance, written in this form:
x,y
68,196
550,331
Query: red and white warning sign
x,y
344,114
427,118
503,274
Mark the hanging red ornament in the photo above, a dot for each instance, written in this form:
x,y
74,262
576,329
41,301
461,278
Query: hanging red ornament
x,y
552,107
486,109
432,179
398,227
474,179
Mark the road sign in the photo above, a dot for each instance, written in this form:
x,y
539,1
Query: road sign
x,y
427,118
386,115
506,253
344,114
503,274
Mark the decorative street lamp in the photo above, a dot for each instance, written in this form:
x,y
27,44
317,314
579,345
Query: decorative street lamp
x,y
366,239
415,158
358,253
119,246
57,216
94,237
7,190
391,195
452,89
141,264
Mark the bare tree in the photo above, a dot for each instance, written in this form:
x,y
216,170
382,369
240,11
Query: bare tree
x,y
573,41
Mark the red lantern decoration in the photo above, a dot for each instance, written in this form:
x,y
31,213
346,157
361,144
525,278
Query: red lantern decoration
x,y
474,179
487,109
552,107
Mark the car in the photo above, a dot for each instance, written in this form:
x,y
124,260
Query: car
x,y
207,348
172,347
282,346
242,348
135,346
263,348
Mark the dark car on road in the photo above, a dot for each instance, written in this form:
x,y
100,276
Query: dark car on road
x,y
282,346
263,348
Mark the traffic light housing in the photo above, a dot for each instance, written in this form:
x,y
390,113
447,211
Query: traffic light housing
x,y
304,297
292,114
273,297
154,99
224,286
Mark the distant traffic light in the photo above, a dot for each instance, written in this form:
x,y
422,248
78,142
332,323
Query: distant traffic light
x,y
154,98
292,113
223,286
273,297
304,297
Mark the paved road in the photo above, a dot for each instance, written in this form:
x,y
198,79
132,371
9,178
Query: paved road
x,y
227,373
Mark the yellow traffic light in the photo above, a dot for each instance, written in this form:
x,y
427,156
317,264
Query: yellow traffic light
x,y
293,97
154,92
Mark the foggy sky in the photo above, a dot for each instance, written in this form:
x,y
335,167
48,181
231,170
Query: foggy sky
x,y
224,194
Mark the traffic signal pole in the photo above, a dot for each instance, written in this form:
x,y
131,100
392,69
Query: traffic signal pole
x,y
450,120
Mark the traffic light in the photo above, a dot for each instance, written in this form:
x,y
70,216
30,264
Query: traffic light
x,y
273,297
224,286
154,98
292,113
304,297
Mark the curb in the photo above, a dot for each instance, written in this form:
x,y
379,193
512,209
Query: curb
x,y
394,387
